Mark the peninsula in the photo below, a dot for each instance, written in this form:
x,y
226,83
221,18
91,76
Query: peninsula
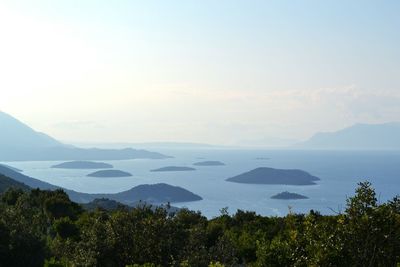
x,y
83,165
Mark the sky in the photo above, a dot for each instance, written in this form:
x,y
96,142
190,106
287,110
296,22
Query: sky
x,y
221,72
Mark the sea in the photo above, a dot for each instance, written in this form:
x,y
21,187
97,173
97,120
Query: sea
x,y
339,171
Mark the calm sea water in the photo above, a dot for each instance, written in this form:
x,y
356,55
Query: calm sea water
x,y
339,172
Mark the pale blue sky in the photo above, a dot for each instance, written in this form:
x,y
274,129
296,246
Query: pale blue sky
x,y
201,71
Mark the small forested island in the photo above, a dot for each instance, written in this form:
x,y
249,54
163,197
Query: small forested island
x,y
173,169
155,194
83,165
265,175
209,163
288,195
109,174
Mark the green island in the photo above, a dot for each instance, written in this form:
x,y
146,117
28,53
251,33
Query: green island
x,y
288,195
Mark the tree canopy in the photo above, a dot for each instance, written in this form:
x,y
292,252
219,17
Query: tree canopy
x,y
45,228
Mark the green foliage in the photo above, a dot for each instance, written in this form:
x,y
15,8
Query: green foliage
x,y
54,263
44,228
142,265
372,230
65,228
216,264
11,196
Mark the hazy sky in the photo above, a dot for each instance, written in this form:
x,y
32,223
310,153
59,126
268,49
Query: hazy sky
x,y
203,71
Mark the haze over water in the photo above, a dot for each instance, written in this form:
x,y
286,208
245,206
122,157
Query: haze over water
x,y
249,74
339,171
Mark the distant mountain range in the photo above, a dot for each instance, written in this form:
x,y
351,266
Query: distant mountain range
x,y
20,142
357,137
153,145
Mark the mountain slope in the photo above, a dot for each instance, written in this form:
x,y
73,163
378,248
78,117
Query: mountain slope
x,y
358,137
20,142
6,183
14,133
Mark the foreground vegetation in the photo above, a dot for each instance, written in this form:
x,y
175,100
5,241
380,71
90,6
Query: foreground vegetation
x,y
45,228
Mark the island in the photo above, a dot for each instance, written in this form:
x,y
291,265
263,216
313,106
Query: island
x,y
173,169
109,174
288,196
83,165
155,193
271,176
209,163
147,193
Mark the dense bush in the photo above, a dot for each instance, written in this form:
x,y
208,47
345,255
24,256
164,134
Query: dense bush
x,y
44,228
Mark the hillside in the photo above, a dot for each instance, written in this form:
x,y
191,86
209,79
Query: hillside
x,y
6,183
357,137
42,228
10,167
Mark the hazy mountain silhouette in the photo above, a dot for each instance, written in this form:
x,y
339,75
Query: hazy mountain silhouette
x,y
83,165
20,142
357,137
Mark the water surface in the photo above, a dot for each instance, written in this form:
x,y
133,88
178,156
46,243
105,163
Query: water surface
x,y
340,171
